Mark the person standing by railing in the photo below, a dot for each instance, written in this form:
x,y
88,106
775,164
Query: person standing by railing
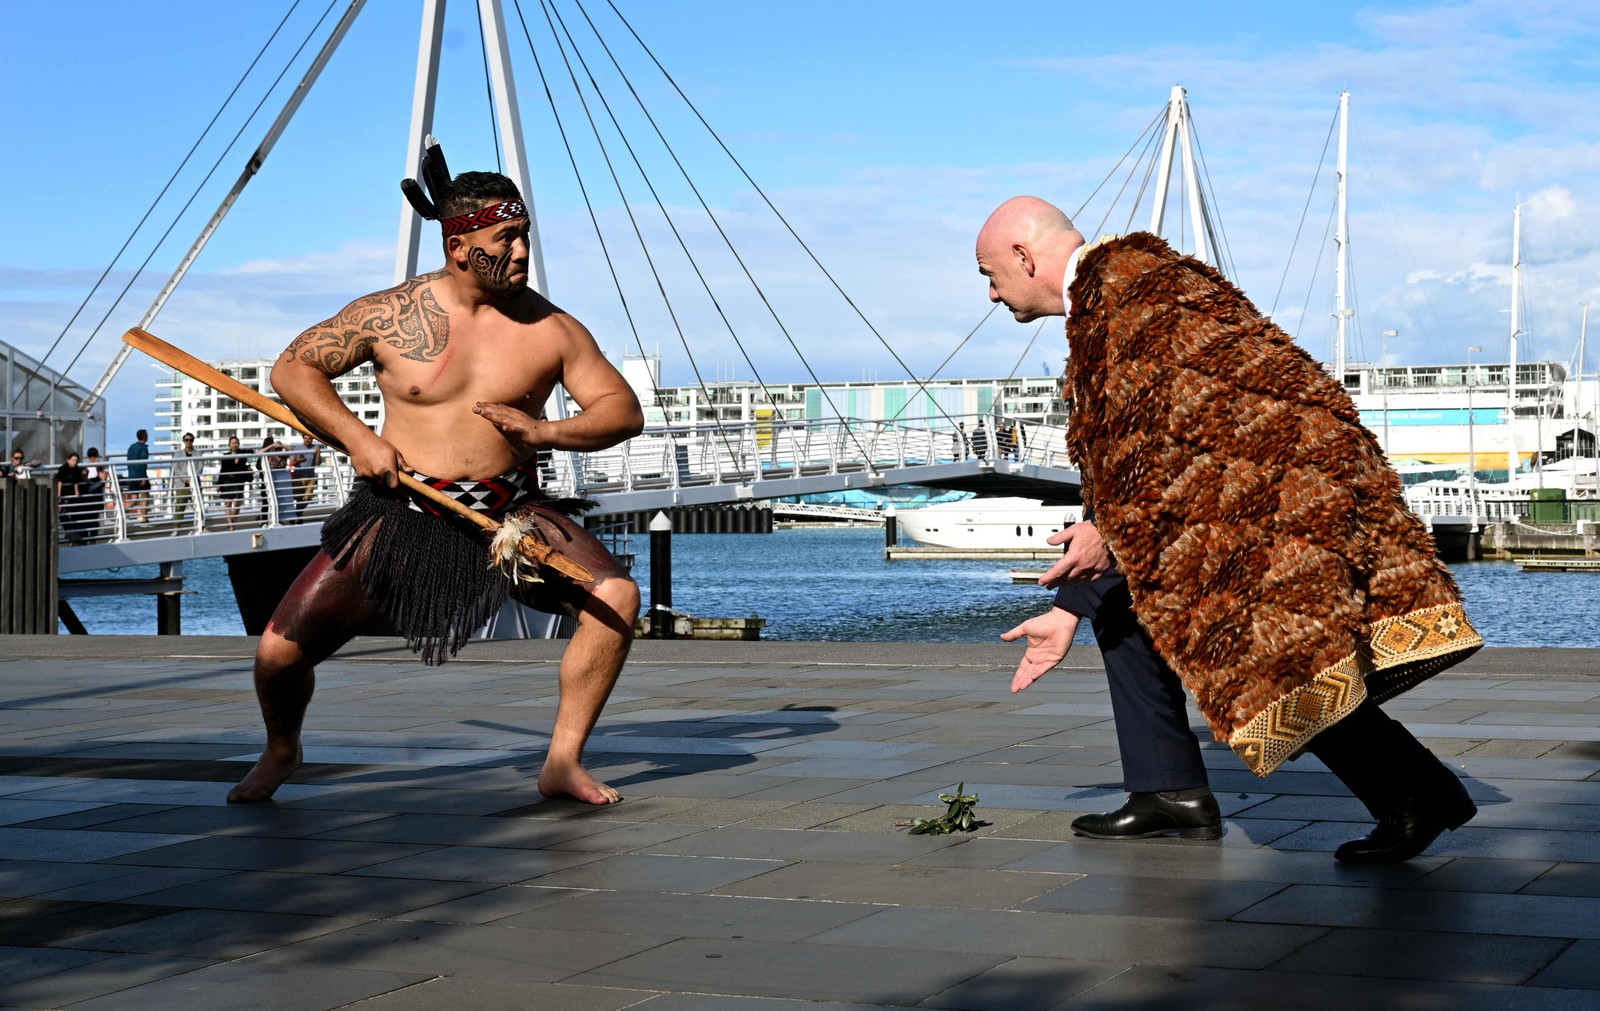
x,y
181,479
94,491
70,481
137,486
278,488
232,478
303,470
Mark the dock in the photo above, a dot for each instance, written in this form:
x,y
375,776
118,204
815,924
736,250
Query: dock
x,y
755,862
1559,564
903,553
1514,540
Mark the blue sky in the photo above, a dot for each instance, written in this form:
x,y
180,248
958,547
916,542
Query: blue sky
x,y
885,132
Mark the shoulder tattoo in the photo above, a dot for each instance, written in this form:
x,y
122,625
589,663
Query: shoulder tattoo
x,y
424,328
407,318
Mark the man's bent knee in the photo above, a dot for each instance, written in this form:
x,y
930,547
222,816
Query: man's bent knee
x,y
614,603
622,593
278,655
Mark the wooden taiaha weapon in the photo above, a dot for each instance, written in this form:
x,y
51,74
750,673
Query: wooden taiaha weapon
x,y
194,368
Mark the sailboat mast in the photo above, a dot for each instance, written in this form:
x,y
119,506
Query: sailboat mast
x,y
1577,403
1341,238
1513,458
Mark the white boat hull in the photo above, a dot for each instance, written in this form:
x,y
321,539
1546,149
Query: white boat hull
x,y
987,523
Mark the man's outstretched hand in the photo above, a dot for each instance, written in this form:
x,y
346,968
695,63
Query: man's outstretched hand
x,y
1049,637
1086,557
517,426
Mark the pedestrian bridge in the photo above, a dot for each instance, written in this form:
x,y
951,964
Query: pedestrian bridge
x,y
823,512
185,515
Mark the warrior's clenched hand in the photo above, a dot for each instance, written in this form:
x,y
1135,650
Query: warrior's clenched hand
x,y
1086,559
378,459
517,426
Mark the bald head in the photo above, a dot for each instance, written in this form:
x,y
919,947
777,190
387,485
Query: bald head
x,y
1028,219
1023,250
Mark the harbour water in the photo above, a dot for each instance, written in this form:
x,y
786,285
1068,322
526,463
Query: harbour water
x,y
832,584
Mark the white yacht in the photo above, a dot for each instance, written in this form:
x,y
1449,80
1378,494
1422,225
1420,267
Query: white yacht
x,y
987,523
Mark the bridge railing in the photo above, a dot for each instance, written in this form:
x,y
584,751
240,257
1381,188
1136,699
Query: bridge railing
x,y
678,456
1486,505
189,495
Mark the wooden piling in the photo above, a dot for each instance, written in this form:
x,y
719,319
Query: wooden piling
x,y
28,567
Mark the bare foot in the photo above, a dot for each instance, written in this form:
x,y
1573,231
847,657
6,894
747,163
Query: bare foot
x,y
262,781
561,780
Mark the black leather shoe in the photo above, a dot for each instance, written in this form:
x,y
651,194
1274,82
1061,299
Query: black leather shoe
x,y
1408,830
1152,814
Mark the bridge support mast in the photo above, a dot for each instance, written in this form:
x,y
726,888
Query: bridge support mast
x,y
513,152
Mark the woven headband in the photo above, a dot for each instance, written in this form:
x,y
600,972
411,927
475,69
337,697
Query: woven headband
x,y
494,214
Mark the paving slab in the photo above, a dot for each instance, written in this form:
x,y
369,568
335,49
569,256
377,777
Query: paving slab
x,y
858,973
756,864
238,986
105,974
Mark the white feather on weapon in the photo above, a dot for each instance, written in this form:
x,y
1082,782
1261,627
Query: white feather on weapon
x,y
505,550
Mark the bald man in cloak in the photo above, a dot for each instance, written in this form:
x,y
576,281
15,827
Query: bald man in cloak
x,y
1268,556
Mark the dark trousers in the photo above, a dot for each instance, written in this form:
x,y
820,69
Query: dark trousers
x,y
1381,762
1159,751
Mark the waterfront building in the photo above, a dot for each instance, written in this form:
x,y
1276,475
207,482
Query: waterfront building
x,y
1029,398
1439,415
1420,413
188,405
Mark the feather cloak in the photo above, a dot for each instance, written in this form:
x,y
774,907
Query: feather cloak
x,y
1266,543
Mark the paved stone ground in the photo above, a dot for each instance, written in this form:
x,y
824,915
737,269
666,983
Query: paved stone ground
x,y
755,863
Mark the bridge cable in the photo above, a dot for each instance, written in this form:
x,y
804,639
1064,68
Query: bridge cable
x,y
935,373
718,225
1143,135
1295,245
1149,141
922,387
151,209
821,388
548,10
588,205
1214,230
488,88
628,207
963,343
196,194
1144,184
1113,171
1040,329
1316,267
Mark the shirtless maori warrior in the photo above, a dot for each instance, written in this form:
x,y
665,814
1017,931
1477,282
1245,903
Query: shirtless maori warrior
x,y
465,357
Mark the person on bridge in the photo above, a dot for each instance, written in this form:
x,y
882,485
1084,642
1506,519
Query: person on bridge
x,y
233,474
303,468
1262,538
137,485
465,356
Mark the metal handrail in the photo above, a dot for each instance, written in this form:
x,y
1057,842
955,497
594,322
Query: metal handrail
x,y
665,457
185,496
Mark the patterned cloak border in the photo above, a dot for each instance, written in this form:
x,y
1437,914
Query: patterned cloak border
x,y
1267,546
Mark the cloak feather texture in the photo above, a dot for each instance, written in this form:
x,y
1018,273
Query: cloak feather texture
x,y
1267,546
